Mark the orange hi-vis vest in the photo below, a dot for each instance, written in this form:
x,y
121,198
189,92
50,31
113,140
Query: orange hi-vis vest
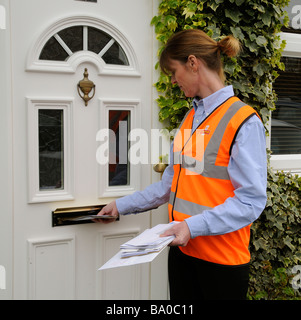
x,y
201,180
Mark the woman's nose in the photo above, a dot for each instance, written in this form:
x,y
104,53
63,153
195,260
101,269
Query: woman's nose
x,y
173,80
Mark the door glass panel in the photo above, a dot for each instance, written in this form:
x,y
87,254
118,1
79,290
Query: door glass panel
x,y
73,38
119,169
51,149
53,51
97,40
115,55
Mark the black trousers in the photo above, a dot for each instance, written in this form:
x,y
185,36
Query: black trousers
x,y
194,279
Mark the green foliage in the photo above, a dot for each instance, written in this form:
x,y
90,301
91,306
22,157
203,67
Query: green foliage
x,y
256,24
276,240
276,235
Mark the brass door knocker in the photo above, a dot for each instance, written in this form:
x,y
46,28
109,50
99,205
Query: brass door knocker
x,y
85,86
160,167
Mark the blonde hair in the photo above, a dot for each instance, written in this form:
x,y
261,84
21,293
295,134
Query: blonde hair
x,y
198,43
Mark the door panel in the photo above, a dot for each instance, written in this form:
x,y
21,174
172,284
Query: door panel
x,y
63,172
48,280
109,281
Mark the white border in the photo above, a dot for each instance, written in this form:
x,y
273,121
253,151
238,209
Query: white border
x,y
293,44
35,194
103,170
70,66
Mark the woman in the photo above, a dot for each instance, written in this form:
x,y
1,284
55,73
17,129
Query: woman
x,y
215,190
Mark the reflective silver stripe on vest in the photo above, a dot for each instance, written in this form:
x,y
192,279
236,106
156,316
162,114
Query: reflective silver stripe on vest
x,y
186,207
177,157
207,167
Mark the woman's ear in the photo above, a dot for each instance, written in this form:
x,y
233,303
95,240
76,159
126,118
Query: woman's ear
x,y
193,63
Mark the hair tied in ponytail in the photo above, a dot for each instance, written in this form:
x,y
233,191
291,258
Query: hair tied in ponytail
x,y
196,42
219,45
229,46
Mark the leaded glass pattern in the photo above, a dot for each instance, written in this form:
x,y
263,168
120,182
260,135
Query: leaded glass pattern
x,y
51,149
83,38
119,169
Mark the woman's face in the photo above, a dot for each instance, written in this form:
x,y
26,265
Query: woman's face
x,y
194,78
186,77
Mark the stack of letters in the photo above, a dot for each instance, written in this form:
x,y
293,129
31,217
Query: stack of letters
x,y
147,242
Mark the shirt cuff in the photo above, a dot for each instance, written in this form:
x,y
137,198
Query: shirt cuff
x,y
122,206
197,226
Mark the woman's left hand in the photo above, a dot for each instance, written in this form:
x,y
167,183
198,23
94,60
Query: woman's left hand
x,y
181,232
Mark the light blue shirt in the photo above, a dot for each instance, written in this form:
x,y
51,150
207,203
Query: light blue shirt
x,y
247,170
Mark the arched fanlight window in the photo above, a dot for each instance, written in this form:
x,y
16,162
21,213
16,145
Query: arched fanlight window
x,y
71,41
62,45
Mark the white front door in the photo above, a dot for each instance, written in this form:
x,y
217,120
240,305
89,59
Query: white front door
x,y
55,145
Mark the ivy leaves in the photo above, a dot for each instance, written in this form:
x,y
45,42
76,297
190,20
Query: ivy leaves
x,y
234,15
255,23
276,239
190,9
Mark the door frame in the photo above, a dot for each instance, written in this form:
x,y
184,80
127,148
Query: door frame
x,y
6,159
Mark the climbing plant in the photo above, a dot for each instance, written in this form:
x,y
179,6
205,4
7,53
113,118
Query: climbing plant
x,y
276,236
276,241
256,24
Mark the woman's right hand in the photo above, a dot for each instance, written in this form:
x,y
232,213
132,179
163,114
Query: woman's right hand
x,y
109,209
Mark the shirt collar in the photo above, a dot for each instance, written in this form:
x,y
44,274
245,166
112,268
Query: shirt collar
x,y
214,100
